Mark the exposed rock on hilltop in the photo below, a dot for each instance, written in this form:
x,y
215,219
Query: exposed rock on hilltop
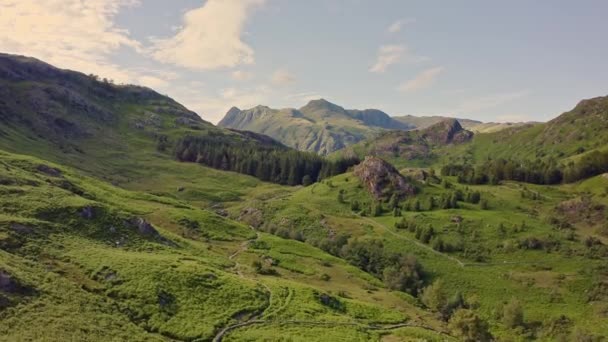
x,y
63,108
381,179
447,132
412,144
422,122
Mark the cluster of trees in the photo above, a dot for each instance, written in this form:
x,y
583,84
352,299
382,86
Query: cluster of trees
x,y
494,171
427,234
463,320
447,200
591,164
536,172
547,243
272,163
398,271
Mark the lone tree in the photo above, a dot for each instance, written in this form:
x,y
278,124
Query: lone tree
x,y
513,314
394,201
341,196
434,296
468,326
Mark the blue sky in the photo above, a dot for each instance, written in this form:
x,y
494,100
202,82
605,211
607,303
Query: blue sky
x,y
486,60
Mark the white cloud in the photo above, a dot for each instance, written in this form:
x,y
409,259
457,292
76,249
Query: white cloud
x,y
398,25
392,54
70,34
240,75
302,98
423,80
282,77
210,37
477,104
387,56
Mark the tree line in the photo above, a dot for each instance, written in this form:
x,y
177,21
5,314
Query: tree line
x,y
535,172
271,163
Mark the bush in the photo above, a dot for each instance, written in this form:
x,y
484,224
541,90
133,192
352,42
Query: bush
x,y
484,205
513,314
468,326
399,272
434,296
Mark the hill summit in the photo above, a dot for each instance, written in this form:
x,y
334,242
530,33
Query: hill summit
x,y
414,144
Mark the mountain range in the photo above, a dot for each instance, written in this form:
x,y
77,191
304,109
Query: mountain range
x,y
323,127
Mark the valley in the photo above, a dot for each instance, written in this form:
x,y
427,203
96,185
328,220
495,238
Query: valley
x,y
125,216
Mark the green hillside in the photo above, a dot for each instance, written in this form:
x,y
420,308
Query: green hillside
x,y
414,147
124,216
82,259
570,134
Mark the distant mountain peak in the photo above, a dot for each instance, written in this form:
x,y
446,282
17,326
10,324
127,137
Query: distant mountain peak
x,y
322,104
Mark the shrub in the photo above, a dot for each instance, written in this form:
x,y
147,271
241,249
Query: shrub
x,y
434,296
468,326
513,314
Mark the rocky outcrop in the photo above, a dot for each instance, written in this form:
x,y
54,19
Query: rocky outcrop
x,y
47,170
410,145
147,230
447,132
144,227
381,179
252,216
8,284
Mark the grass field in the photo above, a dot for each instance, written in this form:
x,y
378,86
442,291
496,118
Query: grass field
x,y
82,269
492,269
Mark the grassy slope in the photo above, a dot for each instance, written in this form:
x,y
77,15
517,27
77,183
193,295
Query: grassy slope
x,y
548,284
98,279
577,131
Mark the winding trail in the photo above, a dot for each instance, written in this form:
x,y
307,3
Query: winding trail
x,y
383,327
262,317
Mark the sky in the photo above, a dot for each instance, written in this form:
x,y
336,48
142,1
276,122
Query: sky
x,y
514,60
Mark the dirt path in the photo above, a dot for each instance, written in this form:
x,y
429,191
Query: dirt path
x,y
261,318
385,327
255,319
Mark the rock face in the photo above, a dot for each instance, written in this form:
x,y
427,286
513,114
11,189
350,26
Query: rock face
x,y
8,284
447,132
381,179
252,216
144,227
51,171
